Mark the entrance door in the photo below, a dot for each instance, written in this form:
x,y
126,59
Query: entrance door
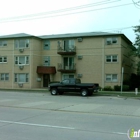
x,y
46,80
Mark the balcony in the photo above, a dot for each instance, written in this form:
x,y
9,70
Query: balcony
x,y
71,50
66,69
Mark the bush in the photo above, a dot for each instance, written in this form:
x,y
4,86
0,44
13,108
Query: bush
x,y
108,88
100,88
117,88
54,82
125,88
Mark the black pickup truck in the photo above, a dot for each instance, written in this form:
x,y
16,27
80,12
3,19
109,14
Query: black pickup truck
x,y
73,85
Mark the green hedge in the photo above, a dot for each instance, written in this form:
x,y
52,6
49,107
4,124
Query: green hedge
x,y
125,88
107,88
118,88
54,82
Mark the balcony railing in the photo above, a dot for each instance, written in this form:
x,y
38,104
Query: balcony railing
x,y
66,68
70,50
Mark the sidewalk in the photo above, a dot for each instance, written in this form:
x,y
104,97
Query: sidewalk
x,y
96,105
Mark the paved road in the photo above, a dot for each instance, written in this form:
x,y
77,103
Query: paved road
x,y
34,116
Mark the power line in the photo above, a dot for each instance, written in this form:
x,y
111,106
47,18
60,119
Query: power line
x,y
137,5
68,9
116,30
31,17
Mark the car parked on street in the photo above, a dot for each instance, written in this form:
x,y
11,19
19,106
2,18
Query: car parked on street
x,y
73,85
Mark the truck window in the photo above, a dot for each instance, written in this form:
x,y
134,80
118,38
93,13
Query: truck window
x,y
66,81
72,81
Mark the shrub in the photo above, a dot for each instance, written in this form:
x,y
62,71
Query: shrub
x,y
108,88
100,88
125,88
54,82
117,88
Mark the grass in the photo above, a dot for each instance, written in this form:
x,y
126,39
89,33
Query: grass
x,y
116,93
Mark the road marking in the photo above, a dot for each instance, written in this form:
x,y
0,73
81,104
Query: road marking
x,y
59,127
39,125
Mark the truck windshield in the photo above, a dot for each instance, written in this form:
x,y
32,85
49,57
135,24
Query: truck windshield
x,y
66,81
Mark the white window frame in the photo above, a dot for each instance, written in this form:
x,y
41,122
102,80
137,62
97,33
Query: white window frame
x,y
67,76
70,45
19,43
3,43
69,66
17,60
46,60
110,78
111,40
4,76
111,58
4,59
18,76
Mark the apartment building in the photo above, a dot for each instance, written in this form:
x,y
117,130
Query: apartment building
x,y
28,61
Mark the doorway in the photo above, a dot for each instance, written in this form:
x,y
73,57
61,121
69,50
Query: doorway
x,y
46,80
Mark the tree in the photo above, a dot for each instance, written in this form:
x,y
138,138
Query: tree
x,y
137,46
137,40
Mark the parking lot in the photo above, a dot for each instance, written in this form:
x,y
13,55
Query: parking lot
x,y
32,115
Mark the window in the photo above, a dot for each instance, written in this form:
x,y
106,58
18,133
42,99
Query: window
x,y
3,59
46,45
111,58
21,77
111,77
69,63
3,43
46,60
66,76
22,60
4,76
22,43
66,81
69,45
112,40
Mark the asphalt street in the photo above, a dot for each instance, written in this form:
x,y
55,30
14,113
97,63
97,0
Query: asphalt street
x,y
34,116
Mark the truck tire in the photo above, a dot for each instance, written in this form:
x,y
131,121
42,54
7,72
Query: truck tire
x,y
84,92
54,91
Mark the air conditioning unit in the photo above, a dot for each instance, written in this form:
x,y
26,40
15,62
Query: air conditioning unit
x,y
21,67
79,75
79,56
108,42
79,39
21,50
20,84
38,79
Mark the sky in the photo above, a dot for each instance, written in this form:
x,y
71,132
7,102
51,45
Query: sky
x,y
47,17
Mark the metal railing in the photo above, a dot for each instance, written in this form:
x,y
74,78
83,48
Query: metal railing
x,y
66,49
66,67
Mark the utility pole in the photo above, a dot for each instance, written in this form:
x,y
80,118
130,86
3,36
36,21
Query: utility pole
x,y
122,79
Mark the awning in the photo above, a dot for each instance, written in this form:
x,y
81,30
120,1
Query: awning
x,y
46,70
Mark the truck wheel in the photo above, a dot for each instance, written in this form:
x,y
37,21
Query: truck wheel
x,y
54,91
84,92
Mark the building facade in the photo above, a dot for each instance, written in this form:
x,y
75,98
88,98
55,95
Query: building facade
x,y
28,61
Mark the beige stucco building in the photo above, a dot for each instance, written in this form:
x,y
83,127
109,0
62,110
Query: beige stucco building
x,y
28,61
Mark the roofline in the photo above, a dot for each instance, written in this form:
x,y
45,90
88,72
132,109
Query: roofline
x,y
10,36
87,34
69,35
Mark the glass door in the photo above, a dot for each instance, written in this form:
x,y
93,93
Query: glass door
x,y
68,63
